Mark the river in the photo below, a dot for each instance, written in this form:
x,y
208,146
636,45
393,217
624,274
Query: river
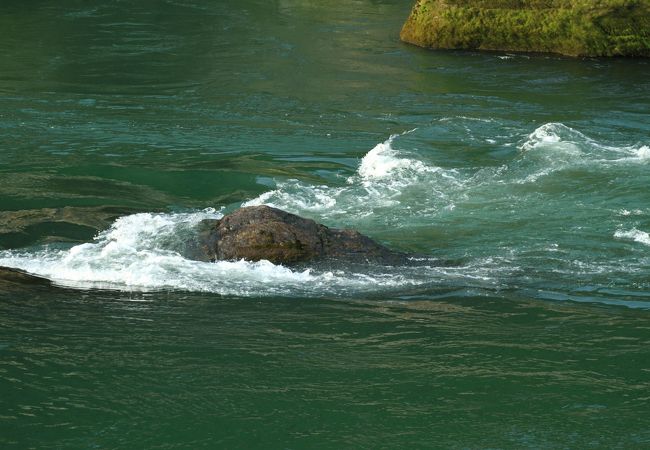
x,y
520,180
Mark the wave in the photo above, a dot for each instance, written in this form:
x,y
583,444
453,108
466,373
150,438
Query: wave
x,y
488,217
394,185
503,212
560,142
145,252
634,234
385,182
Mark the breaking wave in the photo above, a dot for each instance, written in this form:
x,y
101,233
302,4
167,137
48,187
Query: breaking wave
x,y
562,146
387,187
485,218
636,235
145,252
396,186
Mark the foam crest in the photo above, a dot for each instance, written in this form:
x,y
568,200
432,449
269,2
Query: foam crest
x,y
634,234
393,184
555,147
144,252
137,250
387,184
643,152
383,162
394,188
296,196
557,138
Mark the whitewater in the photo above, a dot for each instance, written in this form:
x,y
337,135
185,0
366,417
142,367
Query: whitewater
x,y
399,194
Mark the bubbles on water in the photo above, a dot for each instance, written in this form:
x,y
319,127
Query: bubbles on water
x,y
626,212
141,250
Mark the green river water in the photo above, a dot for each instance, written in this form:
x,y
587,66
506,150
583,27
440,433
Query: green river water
x,y
520,180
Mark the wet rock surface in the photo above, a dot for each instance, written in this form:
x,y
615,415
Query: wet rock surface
x,y
13,279
263,233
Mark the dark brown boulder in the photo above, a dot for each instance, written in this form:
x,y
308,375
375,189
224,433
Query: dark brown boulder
x,y
263,233
12,279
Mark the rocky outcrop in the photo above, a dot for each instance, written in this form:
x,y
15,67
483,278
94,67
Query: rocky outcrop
x,y
263,233
14,279
568,27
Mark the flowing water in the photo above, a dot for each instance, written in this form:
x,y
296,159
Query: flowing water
x,y
520,181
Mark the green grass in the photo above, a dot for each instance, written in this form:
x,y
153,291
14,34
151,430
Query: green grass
x,y
569,27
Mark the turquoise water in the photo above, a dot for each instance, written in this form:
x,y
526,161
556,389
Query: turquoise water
x,y
520,180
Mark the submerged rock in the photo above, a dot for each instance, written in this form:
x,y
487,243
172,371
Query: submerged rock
x,y
263,233
11,279
568,27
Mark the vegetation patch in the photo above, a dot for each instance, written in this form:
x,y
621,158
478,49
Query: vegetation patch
x,y
568,27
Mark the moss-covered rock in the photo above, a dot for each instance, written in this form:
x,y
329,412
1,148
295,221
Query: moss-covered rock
x,y
568,27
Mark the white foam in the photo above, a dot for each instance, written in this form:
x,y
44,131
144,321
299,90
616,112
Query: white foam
x,y
383,162
626,212
393,187
560,142
137,250
467,118
634,234
296,196
556,136
386,180
143,252
555,147
642,153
